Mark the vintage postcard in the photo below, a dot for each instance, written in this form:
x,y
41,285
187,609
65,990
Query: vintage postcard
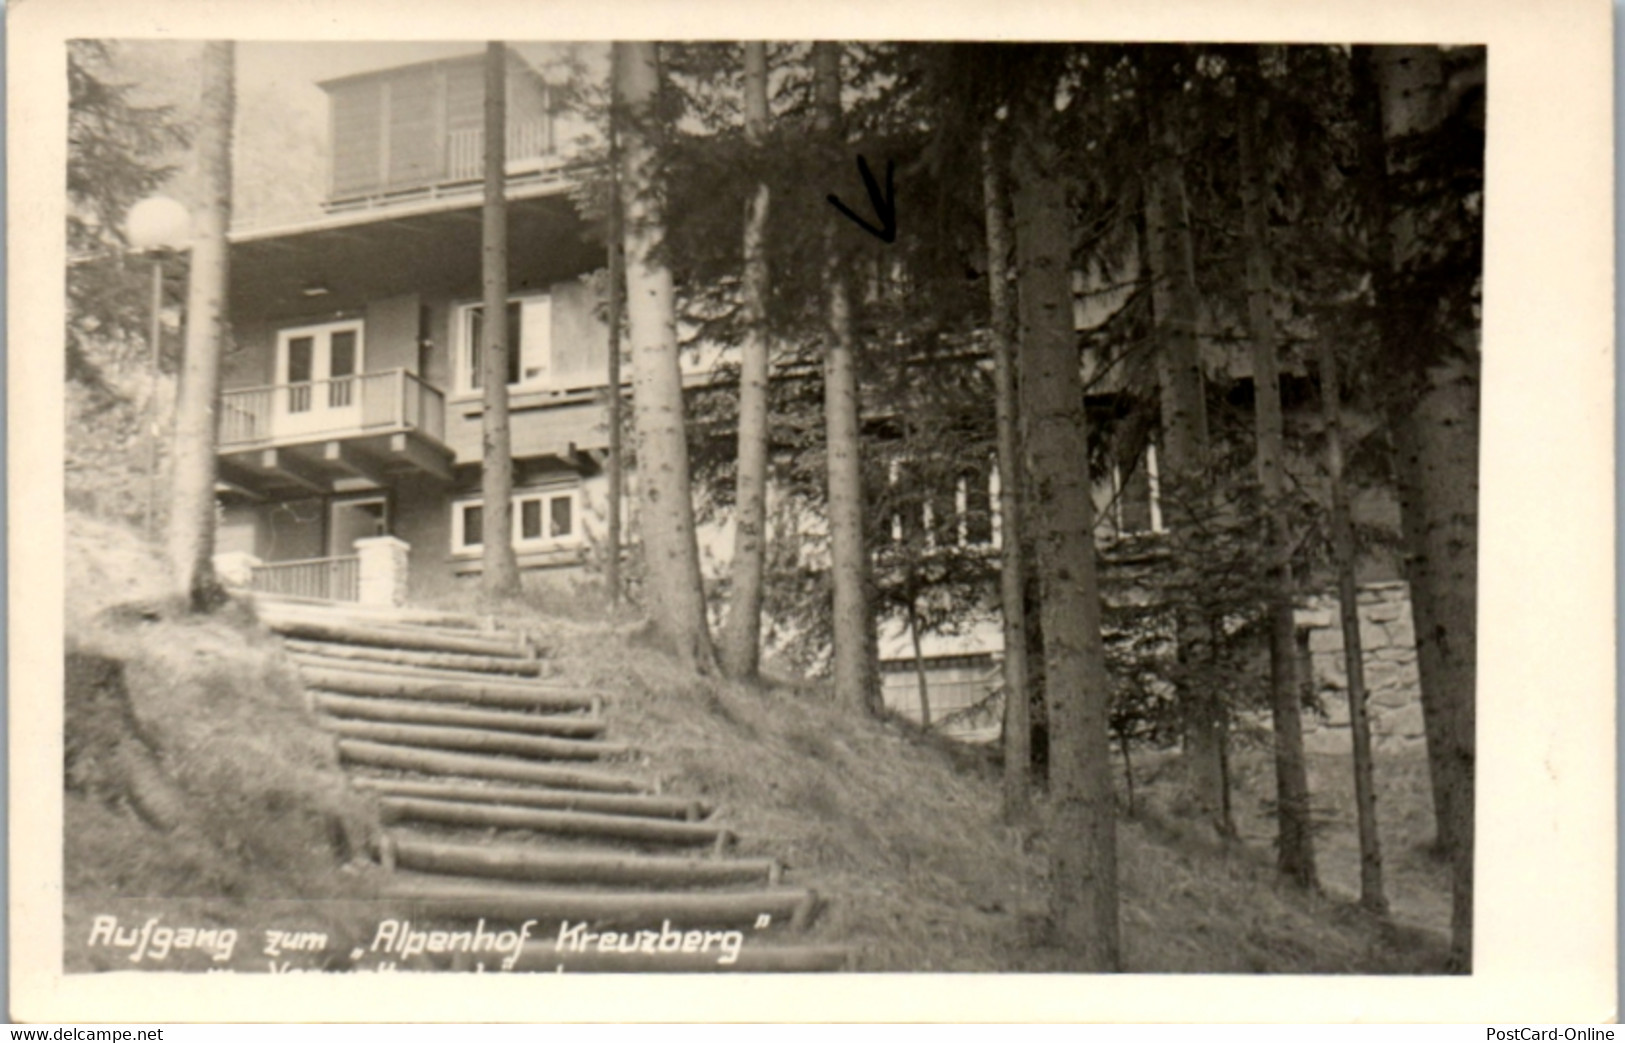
x,y
922,512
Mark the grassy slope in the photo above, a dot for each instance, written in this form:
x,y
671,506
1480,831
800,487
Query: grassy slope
x,y
900,832
197,787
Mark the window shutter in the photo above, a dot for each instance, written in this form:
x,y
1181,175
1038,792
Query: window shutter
x,y
412,145
357,162
580,339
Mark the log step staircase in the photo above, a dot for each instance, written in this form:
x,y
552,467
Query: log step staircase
x,y
504,802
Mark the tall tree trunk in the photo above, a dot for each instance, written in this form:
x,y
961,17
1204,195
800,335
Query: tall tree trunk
x,y
676,598
1002,324
1083,830
923,685
616,263
192,522
1170,256
853,622
1439,440
152,414
1348,597
742,635
1374,163
500,568
1295,847
1434,422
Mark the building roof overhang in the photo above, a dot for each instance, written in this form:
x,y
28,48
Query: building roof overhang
x,y
477,57
341,261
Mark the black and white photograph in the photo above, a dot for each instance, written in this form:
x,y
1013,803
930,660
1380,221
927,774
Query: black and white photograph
x,y
810,505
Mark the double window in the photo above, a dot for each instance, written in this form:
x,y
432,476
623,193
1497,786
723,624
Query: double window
x,y
530,322
542,520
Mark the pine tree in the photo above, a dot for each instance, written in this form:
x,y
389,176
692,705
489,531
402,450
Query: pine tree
x,y
1294,848
1171,268
741,638
1012,572
613,398
1425,178
500,576
676,600
1348,600
853,624
1083,864
118,152
192,511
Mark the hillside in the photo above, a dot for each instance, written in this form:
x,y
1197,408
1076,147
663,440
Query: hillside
x,y
197,789
197,778
901,832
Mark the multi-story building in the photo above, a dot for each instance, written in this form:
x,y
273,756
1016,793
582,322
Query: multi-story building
x,y
351,415
351,407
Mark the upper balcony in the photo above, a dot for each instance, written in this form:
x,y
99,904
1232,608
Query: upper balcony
x,y
360,430
418,131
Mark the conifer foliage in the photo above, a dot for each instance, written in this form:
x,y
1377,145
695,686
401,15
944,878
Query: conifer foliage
x,y
1106,370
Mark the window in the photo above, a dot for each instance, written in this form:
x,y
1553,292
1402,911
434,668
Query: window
x,y
530,323
541,521
939,510
1135,505
976,507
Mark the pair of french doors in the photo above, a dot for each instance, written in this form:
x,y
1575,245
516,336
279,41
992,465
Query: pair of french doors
x,y
318,372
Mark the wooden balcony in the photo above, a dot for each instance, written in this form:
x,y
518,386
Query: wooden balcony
x,y
457,169
343,434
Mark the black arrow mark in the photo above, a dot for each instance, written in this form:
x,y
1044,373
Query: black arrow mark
x,y
885,207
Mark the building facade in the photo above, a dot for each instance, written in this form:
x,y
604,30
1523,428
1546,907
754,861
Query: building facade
x,y
351,413
351,405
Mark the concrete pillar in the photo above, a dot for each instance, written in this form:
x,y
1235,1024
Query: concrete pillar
x,y
383,563
236,568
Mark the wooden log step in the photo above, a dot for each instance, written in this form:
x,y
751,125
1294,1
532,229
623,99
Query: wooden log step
x,y
375,657
480,766
272,605
513,862
411,638
356,615
572,823
640,804
559,910
441,713
493,693
476,740
752,957
318,661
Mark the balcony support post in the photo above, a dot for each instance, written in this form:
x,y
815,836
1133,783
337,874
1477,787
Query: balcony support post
x,y
344,457
413,451
285,465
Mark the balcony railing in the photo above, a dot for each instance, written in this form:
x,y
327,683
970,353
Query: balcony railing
x,y
366,403
465,149
329,579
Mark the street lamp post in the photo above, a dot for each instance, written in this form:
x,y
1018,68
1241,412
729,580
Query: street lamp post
x,y
157,226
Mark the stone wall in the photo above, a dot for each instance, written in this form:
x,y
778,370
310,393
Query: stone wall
x,y
1389,646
